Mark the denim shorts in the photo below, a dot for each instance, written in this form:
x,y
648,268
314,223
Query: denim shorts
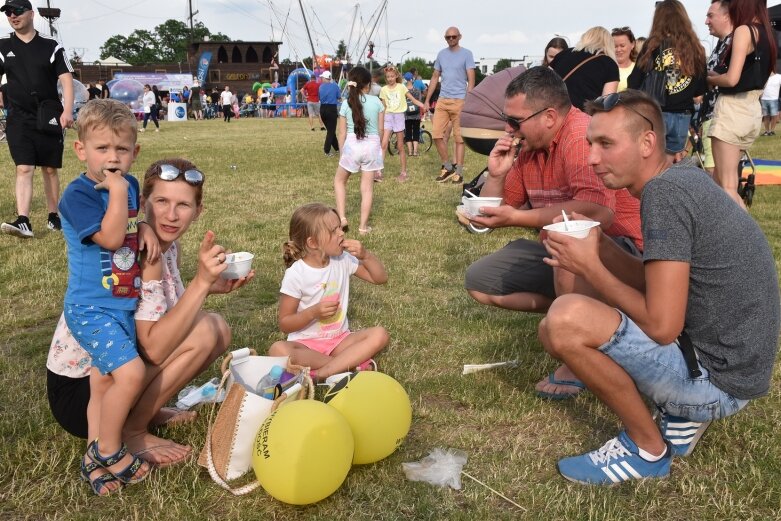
x,y
676,125
769,107
660,373
108,335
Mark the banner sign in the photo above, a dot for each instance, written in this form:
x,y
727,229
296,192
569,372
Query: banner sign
x,y
163,80
203,66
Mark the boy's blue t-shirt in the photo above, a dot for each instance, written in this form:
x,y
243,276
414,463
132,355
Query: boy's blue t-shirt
x,y
96,276
372,106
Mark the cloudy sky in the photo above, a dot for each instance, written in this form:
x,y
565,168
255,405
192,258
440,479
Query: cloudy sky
x,y
490,28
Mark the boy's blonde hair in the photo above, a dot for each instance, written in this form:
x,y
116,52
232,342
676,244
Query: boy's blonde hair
x,y
99,113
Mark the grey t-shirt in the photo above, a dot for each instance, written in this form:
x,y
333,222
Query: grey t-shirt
x,y
452,67
732,314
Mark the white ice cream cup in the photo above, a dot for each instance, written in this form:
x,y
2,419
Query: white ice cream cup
x,y
473,204
577,229
239,265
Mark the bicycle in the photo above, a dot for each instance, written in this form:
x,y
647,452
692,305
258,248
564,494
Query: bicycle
x,y
425,143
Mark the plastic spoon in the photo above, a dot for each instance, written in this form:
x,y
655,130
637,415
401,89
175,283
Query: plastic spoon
x,y
566,221
470,194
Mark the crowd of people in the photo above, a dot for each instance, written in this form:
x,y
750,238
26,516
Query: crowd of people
x,y
641,308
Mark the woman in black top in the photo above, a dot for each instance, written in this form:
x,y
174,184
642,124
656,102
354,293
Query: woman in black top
x,y
589,69
673,48
737,116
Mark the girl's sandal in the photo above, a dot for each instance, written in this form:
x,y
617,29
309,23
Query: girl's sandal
x,y
345,226
99,483
129,474
402,177
364,231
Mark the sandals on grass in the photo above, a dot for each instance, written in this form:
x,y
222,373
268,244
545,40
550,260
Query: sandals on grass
x,y
129,474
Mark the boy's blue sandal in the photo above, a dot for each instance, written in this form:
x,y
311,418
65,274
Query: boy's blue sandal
x,y
616,461
100,482
128,474
565,395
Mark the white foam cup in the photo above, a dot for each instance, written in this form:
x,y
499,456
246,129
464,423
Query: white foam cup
x,y
473,204
577,229
239,265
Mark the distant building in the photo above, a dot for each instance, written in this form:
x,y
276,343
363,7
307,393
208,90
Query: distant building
x,y
486,65
238,64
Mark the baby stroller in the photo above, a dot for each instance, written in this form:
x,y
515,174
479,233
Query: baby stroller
x,y
746,185
481,126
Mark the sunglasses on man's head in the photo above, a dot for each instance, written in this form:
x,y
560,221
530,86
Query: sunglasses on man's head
x,y
610,101
18,11
171,173
515,123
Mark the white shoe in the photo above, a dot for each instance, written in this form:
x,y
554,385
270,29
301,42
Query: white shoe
x,y
338,377
157,130
142,130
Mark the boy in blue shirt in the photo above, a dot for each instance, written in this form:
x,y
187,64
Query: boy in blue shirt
x,y
99,219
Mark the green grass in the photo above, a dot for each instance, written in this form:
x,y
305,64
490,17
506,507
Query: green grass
x,y
513,439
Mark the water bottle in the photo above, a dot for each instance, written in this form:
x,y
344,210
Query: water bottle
x,y
191,395
267,384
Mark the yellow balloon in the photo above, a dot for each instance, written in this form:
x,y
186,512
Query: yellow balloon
x,y
303,452
378,410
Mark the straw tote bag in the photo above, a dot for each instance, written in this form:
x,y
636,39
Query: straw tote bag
x,y
227,452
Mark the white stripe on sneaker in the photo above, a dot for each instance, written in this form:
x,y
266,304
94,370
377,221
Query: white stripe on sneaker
x,y
686,432
617,469
631,470
609,474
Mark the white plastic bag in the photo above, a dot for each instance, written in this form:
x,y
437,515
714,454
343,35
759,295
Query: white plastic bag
x,y
441,467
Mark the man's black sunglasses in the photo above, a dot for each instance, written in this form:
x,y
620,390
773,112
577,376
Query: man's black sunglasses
x,y
516,123
451,36
610,101
171,173
18,11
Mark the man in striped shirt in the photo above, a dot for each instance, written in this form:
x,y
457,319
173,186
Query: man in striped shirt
x,y
551,174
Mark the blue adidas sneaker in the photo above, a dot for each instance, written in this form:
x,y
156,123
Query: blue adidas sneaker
x,y
681,433
616,461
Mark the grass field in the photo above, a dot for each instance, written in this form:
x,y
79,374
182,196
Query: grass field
x,y
513,439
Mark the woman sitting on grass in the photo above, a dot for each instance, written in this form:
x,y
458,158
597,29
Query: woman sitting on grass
x,y
176,339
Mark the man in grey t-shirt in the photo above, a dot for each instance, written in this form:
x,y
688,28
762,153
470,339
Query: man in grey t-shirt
x,y
455,66
707,270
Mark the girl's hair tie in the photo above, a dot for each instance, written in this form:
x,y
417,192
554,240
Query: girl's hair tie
x,y
352,84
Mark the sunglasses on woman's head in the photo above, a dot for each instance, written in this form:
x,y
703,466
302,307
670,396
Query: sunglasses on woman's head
x,y
610,101
171,173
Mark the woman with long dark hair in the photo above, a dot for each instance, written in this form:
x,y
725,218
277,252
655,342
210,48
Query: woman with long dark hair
x,y
554,47
737,116
674,49
361,118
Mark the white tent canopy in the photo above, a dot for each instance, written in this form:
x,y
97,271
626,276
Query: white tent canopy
x,y
111,61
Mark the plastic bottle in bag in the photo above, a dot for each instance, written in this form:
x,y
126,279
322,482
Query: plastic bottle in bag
x,y
267,384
